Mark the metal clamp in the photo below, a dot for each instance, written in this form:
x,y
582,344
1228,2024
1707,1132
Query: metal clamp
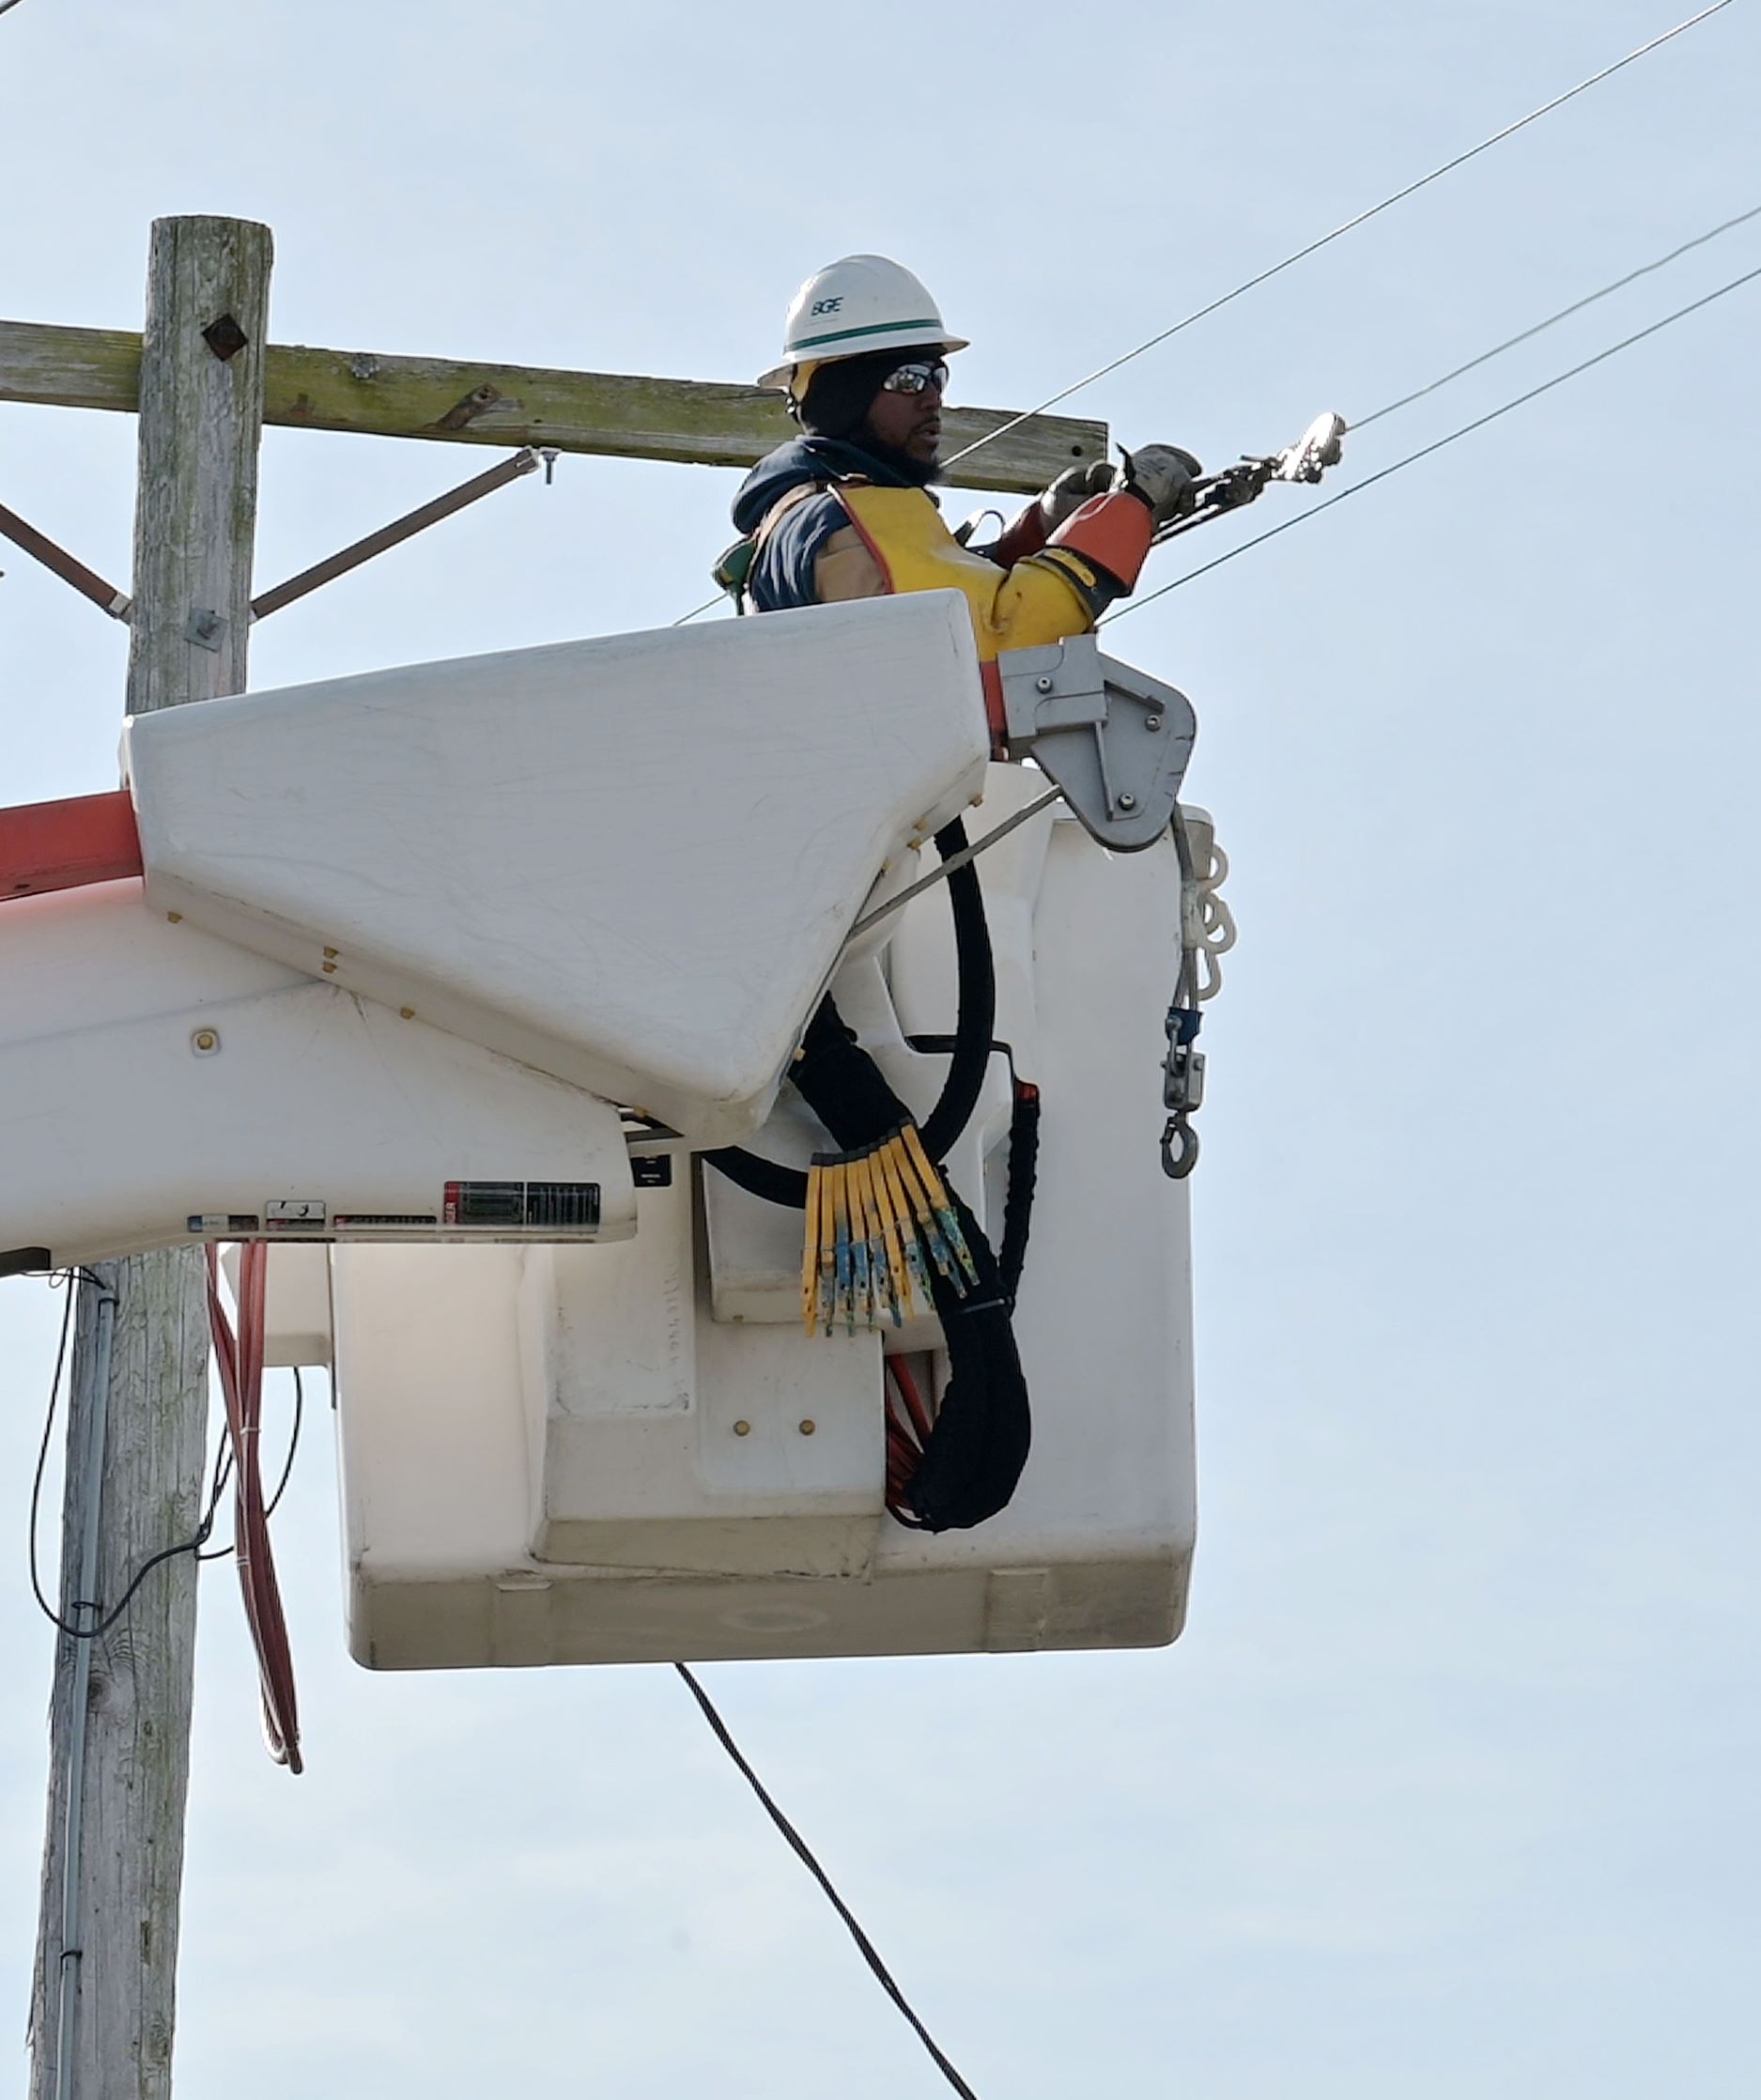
x,y
1320,446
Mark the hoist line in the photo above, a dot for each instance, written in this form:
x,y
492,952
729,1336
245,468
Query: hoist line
x,y
1437,444
1300,255
1565,313
798,1846
953,863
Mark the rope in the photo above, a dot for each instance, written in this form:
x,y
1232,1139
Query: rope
x,y
1425,451
1362,218
953,863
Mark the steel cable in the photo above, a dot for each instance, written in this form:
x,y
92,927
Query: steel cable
x,y
1565,313
1437,444
1360,218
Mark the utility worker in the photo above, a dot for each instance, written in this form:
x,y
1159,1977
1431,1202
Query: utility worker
x,y
844,510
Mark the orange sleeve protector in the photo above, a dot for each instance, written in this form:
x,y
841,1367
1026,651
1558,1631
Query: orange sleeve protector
x,y
1113,531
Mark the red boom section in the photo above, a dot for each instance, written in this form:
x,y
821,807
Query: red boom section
x,y
61,845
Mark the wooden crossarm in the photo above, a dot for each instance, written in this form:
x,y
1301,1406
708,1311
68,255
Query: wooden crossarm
x,y
691,421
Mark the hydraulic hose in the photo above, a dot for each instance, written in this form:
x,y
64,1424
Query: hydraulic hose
x,y
976,976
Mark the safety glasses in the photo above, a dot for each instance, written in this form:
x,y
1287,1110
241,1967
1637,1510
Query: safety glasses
x,y
917,378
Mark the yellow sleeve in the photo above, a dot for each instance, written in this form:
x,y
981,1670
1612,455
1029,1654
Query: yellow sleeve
x,y
1046,598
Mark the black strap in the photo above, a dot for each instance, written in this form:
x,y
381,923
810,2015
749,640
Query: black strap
x,y
983,1427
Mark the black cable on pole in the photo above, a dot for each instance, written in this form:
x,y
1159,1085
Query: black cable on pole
x,y
204,1531
798,1845
1312,247
1437,444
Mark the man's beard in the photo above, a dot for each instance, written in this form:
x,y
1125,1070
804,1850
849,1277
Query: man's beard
x,y
917,474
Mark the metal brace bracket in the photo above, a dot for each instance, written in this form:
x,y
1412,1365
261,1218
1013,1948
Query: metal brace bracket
x,y
1116,740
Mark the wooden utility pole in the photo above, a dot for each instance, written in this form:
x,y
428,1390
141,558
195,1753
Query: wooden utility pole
x,y
204,381
108,1942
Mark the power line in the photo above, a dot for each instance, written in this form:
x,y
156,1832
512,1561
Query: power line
x,y
1565,313
798,1845
1473,364
1437,444
1298,254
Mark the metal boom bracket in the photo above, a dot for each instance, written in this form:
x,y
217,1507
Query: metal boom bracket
x,y
1116,740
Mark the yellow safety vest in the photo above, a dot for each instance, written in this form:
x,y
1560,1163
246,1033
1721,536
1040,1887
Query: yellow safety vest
x,y
1040,600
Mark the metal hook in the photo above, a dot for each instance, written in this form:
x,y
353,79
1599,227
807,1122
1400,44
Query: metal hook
x,y
1177,1165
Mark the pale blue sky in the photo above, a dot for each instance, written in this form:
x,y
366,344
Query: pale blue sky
x,y
1449,1788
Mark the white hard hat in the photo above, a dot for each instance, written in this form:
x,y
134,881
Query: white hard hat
x,y
857,305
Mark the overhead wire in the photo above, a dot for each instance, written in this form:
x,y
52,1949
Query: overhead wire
x,y
1348,226
798,1846
1437,444
1565,313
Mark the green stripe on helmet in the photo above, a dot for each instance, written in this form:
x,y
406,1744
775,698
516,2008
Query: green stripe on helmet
x,y
843,334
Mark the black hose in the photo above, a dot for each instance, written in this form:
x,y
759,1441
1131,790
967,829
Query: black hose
x,y
976,974
768,1178
976,1022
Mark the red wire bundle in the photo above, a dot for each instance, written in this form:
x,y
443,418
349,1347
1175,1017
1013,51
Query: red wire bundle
x,y
909,1421
239,1359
